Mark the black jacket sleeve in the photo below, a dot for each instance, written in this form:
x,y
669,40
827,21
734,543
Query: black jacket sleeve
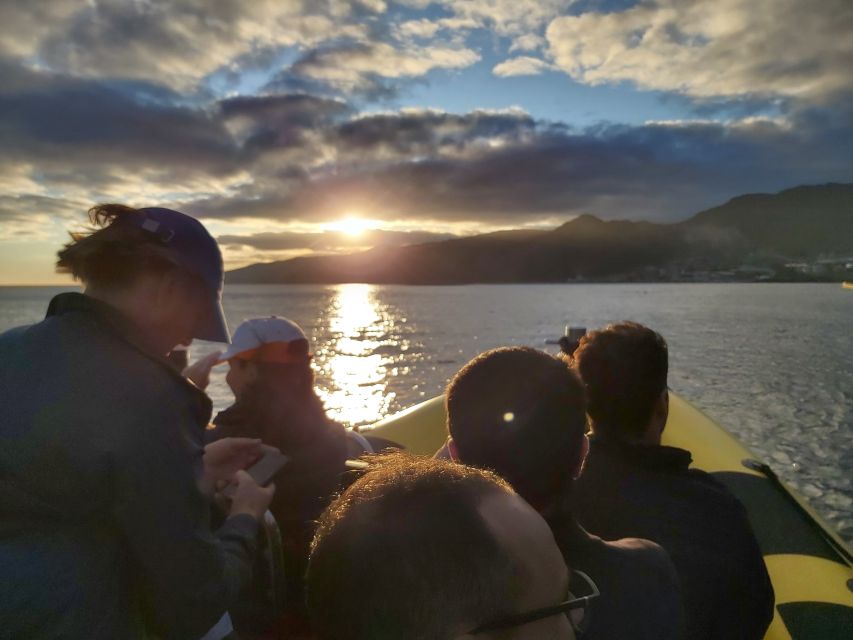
x,y
188,575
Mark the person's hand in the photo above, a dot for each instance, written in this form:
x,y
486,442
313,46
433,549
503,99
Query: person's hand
x,y
199,372
249,497
224,458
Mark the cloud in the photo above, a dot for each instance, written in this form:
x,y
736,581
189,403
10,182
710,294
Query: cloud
x,y
508,17
769,49
175,42
54,120
527,42
417,134
520,66
295,156
508,166
278,122
23,26
35,217
354,68
421,28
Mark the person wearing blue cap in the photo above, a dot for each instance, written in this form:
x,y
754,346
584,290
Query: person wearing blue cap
x,y
104,476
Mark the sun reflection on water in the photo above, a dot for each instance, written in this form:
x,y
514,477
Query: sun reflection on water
x,y
354,361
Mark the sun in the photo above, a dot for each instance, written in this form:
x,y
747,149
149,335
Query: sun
x,y
352,226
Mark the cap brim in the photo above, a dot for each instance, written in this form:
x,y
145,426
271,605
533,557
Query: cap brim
x,y
213,326
229,353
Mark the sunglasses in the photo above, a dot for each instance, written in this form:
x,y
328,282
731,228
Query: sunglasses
x,y
574,608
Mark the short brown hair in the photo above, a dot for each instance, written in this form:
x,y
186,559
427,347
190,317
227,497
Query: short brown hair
x,y
624,369
112,253
522,413
405,553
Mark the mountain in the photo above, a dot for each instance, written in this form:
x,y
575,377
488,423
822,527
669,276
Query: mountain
x,y
799,223
802,222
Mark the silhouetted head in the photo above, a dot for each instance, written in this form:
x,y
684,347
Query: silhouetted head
x,y
520,412
419,548
273,350
624,369
271,376
160,267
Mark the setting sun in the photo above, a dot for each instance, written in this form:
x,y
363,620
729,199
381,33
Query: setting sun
x,y
352,226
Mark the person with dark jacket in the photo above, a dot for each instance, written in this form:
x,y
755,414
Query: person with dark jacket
x,y
272,380
104,525
522,413
633,486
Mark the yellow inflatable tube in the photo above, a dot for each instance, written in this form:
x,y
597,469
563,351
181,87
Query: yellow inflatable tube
x,y
809,564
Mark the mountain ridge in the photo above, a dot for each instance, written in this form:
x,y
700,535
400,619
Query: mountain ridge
x,y
800,223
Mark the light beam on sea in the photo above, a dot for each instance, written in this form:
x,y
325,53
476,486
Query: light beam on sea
x,y
353,360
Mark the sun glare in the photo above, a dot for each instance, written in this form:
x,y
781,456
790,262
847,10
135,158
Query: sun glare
x,y
353,360
352,226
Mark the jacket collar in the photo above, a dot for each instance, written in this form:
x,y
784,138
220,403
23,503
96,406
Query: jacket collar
x,y
649,456
72,302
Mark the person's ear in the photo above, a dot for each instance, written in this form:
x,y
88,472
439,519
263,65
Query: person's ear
x,y
576,472
452,449
662,409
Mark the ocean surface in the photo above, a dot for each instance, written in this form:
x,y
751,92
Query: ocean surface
x,y
773,363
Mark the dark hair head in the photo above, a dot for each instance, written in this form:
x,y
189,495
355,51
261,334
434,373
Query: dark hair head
x,y
522,413
405,553
113,253
624,368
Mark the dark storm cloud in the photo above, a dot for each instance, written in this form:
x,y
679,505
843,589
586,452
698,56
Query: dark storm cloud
x,y
53,119
329,240
278,121
431,132
506,166
290,110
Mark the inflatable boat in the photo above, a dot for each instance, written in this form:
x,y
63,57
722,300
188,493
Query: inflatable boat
x,y
810,565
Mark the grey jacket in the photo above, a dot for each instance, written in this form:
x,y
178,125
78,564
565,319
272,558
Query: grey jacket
x,y
103,530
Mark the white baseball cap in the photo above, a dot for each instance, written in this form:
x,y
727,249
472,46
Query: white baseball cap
x,y
271,339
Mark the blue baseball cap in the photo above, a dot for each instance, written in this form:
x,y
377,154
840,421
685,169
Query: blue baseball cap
x,y
198,252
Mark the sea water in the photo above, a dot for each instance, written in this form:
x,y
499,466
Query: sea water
x,y
773,363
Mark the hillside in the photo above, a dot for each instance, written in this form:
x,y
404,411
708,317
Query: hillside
x,y
796,224
802,222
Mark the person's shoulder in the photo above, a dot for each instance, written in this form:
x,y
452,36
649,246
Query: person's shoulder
x,y
641,554
11,340
643,589
14,334
712,489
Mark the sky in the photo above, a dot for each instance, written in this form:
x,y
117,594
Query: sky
x,y
293,127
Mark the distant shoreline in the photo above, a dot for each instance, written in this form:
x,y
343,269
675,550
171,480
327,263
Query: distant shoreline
x,y
464,284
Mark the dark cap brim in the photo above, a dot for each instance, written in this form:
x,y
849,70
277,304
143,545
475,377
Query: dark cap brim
x,y
213,326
